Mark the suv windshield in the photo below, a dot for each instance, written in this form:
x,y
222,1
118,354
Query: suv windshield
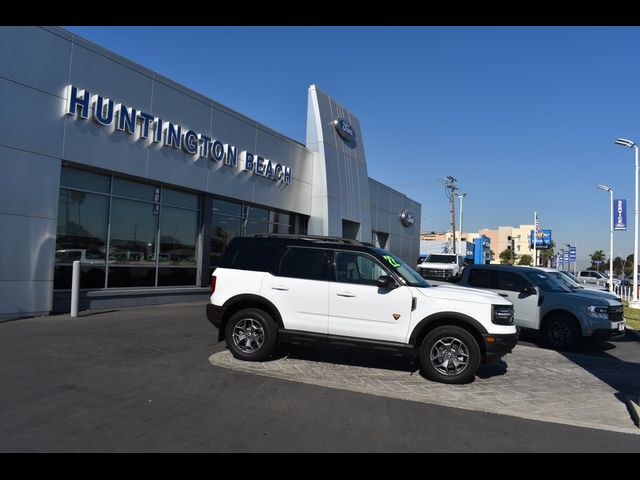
x,y
572,277
441,259
546,282
409,275
564,280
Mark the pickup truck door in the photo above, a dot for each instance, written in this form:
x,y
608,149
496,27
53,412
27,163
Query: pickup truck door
x,y
519,291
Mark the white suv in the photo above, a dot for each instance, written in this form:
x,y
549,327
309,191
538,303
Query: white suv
x,y
277,288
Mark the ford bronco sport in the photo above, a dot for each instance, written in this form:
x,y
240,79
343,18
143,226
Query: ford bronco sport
x,y
278,288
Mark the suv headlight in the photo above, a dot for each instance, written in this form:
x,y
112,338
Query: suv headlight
x,y
502,315
598,311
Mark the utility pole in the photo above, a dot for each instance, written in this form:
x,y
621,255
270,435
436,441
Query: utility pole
x,y
450,188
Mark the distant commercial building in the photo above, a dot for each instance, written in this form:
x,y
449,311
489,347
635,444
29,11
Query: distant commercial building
x,y
490,240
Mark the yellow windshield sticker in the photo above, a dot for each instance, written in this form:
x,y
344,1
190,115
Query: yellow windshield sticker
x,y
392,261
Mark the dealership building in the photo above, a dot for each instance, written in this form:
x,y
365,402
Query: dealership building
x,y
145,181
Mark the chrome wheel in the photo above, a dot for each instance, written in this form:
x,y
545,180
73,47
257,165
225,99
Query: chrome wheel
x,y
248,335
449,356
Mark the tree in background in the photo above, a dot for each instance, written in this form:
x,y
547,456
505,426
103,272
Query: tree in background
x,y
506,257
618,266
526,260
547,254
597,258
628,266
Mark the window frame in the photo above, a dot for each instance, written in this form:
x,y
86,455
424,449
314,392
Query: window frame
x,y
364,254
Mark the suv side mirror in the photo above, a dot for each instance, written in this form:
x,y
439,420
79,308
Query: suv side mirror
x,y
528,290
385,281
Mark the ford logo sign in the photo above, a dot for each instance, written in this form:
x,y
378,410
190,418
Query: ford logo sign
x,y
407,218
344,128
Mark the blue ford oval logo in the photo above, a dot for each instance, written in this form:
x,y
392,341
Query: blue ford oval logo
x,y
407,218
344,128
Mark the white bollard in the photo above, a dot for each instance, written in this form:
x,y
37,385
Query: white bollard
x,y
75,288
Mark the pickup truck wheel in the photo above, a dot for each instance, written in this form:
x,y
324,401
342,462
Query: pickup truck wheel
x,y
561,332
251,334
449,354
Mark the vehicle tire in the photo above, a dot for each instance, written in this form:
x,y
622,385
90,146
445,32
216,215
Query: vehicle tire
x,y
251,335
561,332
449,354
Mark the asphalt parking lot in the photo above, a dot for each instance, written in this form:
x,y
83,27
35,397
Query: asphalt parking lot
x,y
154,379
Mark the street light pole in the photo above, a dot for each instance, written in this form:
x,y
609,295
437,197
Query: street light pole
x,y
461,197
634,302
608,189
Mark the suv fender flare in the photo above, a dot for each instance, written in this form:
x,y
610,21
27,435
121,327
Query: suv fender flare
x,y
459,318
246,300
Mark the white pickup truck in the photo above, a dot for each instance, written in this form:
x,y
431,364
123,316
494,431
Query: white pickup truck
x,y
441,266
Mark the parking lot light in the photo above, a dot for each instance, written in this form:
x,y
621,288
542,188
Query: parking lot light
x,y
631,144
608,189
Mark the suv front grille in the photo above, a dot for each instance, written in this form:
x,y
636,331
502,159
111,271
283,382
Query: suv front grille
x,y
616,314
435,273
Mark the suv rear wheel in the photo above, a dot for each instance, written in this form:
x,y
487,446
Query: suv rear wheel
x,y
251,334
449,354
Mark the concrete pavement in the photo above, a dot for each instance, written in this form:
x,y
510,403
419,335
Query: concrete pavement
x,y
139,380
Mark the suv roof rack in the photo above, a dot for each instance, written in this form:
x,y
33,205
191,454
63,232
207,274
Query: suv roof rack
x,y
313,238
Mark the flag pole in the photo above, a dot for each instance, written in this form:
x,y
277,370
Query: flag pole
x,y
535,238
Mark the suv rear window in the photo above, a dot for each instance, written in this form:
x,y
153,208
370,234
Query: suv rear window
x,y
251,254
307,263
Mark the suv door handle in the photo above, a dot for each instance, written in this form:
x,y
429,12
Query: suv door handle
x,y
504,295
280,287
346,294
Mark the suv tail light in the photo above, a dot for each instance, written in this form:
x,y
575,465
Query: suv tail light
x,y
213,283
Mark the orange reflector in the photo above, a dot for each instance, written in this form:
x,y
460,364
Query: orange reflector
x,y
491,339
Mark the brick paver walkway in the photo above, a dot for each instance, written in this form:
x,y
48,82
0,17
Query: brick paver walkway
x,y
530,383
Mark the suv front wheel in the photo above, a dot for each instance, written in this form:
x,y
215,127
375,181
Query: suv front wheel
x,y
561,332
251,334
449,354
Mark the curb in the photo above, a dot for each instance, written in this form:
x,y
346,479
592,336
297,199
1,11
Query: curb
x,y
634,409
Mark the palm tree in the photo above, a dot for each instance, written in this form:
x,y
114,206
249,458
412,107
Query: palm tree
x,y
597,258
547,254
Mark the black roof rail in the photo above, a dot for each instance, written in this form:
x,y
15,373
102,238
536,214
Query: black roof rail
x,y
314,238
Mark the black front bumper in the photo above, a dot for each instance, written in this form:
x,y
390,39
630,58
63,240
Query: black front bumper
x,y
214,314
606,334
497,346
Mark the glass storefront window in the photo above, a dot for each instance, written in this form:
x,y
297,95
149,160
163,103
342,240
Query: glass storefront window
x,y
141,191
260,214
178,236
224,228
131,277
254,227
74,178
82,227
176,276
179,199
227,208
134,227
153,230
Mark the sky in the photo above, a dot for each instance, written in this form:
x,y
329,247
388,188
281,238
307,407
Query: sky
x,y
525,118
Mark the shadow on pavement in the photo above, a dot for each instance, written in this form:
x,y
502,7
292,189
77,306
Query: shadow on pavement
x,y
347,355
362,357
623,376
